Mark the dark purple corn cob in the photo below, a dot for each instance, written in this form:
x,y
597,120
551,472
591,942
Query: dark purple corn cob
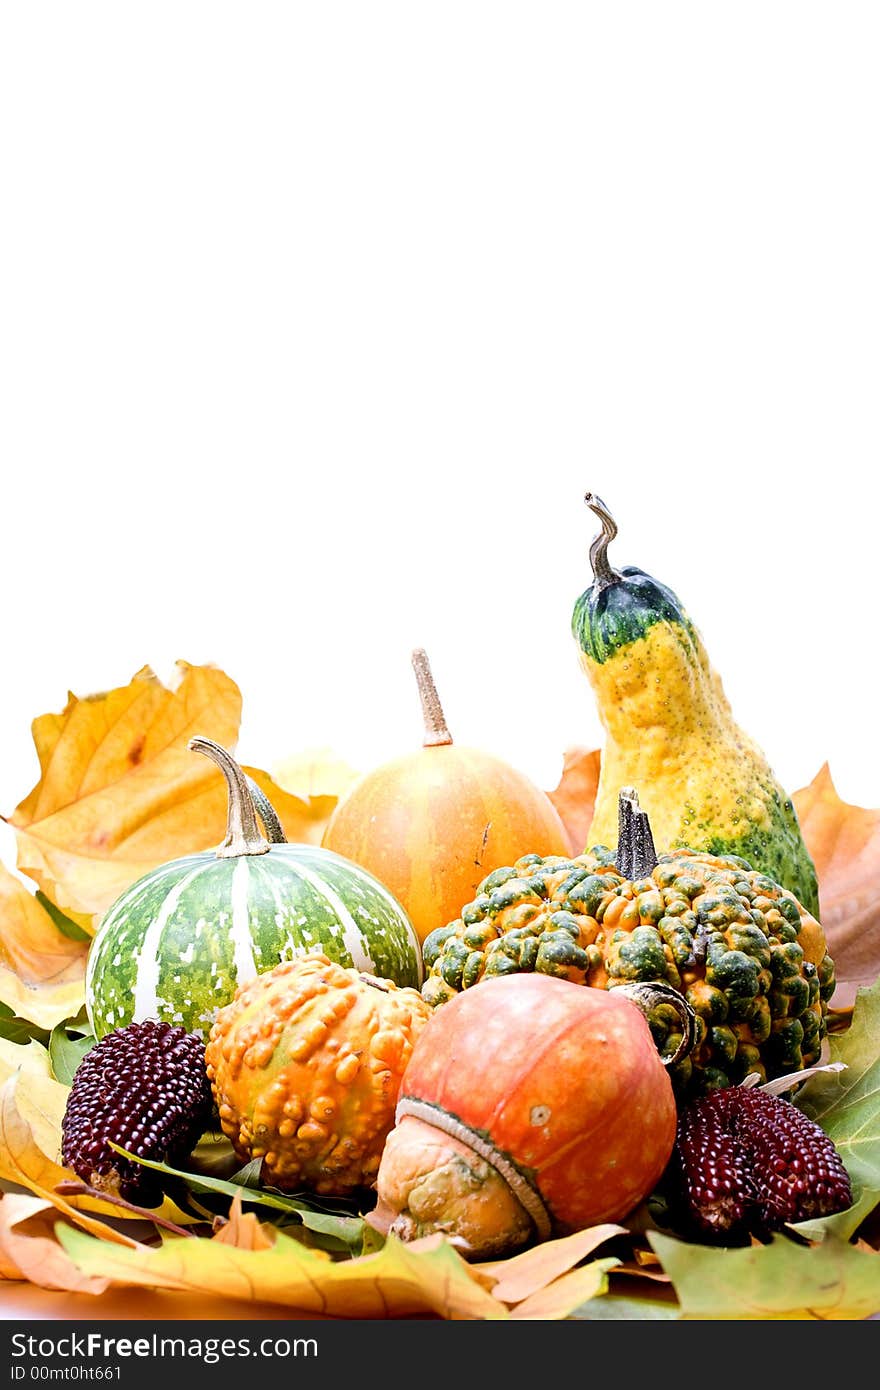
x,y
747,1163
145,1087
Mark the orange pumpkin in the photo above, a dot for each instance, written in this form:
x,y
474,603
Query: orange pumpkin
x,y
530,1107
431,824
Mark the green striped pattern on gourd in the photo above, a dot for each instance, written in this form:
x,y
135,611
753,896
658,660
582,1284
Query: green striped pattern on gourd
x,y
179,941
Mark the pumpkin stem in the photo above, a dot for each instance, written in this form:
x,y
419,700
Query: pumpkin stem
x,y
436,732
603,574
243,834
636,856
267,813
647,995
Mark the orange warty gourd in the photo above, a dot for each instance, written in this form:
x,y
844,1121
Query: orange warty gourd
x,y
305,1065
431,824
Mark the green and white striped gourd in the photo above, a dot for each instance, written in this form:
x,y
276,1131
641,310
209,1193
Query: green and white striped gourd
x,y
176,944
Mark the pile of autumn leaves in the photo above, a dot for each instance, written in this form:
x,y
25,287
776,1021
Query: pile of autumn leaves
x,y
119,792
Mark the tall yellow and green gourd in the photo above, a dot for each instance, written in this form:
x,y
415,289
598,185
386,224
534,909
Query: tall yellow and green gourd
x,y
670,733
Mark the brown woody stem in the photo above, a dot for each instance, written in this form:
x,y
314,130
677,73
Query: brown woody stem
x,y
603,573
243,833
436,732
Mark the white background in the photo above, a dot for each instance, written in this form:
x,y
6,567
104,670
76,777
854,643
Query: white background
x,y
318,320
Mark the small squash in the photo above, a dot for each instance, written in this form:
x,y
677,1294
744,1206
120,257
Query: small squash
x,y
432,823
305,1067
670,732
178,942
529,1108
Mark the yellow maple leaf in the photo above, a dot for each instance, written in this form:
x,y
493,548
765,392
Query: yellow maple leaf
x,y
400,1280
41,969
121,792
29,1057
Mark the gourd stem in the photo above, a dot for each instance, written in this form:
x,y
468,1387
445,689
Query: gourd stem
x,y
647,995
603,573
436,732
243,834
267,813
636,856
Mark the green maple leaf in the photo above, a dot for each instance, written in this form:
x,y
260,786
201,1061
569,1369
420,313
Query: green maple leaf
x,y
830,1281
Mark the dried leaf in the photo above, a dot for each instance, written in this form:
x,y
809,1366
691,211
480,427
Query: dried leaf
x,y
575,795
844,841
120,790
522,1275
41,969
319,778
243,1230
640,1268
398,1281
303,820
25,1057
781,1280
780,1085
568,1293
28,1245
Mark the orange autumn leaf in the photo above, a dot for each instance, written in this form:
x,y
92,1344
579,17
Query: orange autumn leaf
x,y
29,1250
844,841
244,1230
560,1298
121,792
41,969
520,1276
575,795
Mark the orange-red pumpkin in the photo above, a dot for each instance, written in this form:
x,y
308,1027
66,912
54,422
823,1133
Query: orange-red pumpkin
x,y
530,1107
431,824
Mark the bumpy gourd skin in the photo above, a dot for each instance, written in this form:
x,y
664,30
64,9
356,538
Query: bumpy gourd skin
x,y
670,733
750,960
305,1066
